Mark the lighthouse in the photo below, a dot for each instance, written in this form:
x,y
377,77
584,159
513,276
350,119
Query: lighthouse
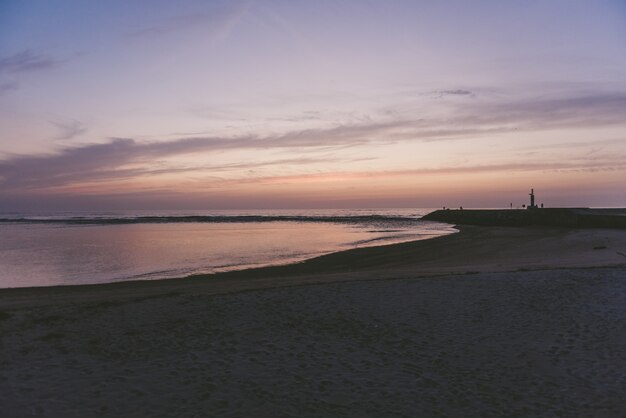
x,y
532,199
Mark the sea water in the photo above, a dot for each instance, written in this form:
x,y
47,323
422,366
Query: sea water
x,y
46,249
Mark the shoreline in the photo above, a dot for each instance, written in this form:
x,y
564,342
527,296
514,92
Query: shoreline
x,y
53,252
472,250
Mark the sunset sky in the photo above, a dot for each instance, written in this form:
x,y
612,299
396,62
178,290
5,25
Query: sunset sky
x,y
311,104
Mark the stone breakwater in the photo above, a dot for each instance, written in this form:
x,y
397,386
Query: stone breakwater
x,y
560,217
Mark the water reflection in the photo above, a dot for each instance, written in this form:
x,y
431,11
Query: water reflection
x,y
52,254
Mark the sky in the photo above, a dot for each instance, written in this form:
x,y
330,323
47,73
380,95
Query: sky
x,y
311,104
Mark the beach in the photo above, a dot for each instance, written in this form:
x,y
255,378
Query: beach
x,y
312,209
491,321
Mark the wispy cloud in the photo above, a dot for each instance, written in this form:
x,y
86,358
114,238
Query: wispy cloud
x,y
308,115
575,111
126,157
454,92
7,86
69,129
122,159
110,158
608,163
578,144
216,20
27,60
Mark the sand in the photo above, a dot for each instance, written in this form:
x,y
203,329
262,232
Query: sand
x,y
487,322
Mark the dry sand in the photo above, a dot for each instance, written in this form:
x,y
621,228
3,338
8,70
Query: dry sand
x,y
487,322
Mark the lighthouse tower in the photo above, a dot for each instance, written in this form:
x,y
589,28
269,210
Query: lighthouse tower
x,y
532,199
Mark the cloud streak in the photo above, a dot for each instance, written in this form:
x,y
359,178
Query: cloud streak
x,y
99,160
69,129
453,92
123,158
609,164
576,111
217,20
110,161
25,61
7,86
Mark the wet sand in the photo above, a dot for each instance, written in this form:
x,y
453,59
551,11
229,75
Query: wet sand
x,y
487,322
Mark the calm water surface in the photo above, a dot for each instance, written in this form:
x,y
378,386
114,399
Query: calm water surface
x,y
80,248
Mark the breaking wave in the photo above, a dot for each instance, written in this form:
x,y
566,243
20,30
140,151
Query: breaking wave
x,y
77,220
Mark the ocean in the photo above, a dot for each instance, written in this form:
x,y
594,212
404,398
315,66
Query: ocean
x,y
71,248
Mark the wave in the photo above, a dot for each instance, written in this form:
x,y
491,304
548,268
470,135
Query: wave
x,y
367,219
396,238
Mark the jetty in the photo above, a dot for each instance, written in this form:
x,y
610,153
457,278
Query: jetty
x,y
533,215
